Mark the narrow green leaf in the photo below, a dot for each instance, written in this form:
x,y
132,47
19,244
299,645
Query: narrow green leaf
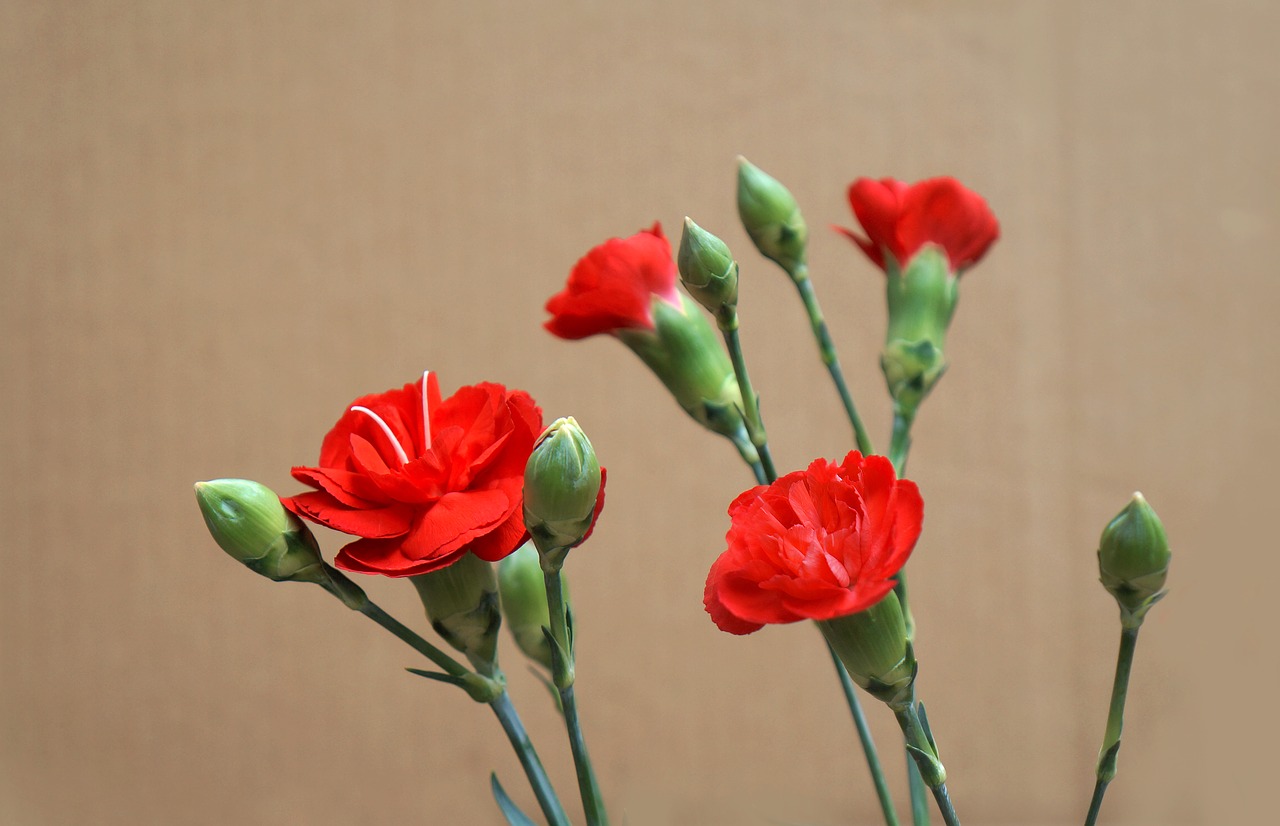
x,y
924,724
439,676
510,811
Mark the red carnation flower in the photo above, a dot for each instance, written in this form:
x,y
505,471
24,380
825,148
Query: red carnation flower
x,y
422,480
816,544
899,219
613,286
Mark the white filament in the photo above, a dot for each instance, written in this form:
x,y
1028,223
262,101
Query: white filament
x,y
426,410
404,458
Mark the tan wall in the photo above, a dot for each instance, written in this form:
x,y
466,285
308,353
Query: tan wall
x,y
220,222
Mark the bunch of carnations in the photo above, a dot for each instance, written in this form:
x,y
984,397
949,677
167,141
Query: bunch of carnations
x,y
478,506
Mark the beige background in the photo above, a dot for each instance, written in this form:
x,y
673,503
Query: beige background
x,y
221,222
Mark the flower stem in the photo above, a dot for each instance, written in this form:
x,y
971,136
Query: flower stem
x,y
916,787
900,441
926,757
563,676
868,744
1115,720
538,780
750,402
899,448
480,688
800,276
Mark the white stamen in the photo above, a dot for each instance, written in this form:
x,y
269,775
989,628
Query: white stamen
x,y
426,410
404,458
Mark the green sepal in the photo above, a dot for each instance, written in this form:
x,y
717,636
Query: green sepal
x,y
709,273
562,481
1133,560
921,301
510,811
523,591
930,767
686,353
771,217
461,602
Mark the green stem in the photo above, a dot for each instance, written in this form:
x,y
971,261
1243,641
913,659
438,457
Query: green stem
x,y
926,757
750,402
407,635
563,662
868,744
478,686
538,780
917,788
899,448
800,275
1115,719
900,441
765,473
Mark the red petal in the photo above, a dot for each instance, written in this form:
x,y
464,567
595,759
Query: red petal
x,y
351,489
613,285
371,523
503,540
878,207
385,557
458,518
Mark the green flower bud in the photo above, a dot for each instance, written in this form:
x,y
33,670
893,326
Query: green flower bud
x,y
247,520
1133,559
561,485
462,606
921,303
523,590
686,353
709,272
875,650
771,217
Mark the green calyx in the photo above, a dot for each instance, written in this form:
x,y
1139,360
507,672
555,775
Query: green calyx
x,y
561,484
771,217
248,521
1133,559
686,354
461,602
921,301
523,590
875,650
709,272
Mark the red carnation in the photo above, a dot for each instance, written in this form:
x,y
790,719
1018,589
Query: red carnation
x,y
613,286
422,480
899,219
816,544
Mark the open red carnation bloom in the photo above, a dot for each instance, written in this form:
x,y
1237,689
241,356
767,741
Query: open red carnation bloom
x,y
899,219
612,287
816,544
422,480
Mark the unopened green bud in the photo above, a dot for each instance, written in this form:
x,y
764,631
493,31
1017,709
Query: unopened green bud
x,y
247,520
687,354
709,272
523,589
462,606
875,650
1133,559
771,217
921,300
561,485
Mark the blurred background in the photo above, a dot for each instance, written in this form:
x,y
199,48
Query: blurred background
x,y
222,222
